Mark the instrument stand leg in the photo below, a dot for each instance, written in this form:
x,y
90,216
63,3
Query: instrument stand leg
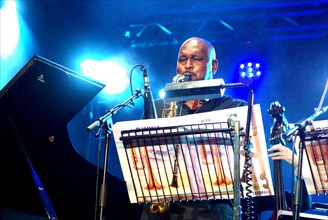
x,y
103,189
236,185
297,196
106,122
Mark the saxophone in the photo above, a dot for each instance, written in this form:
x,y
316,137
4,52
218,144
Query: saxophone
x,y
169,112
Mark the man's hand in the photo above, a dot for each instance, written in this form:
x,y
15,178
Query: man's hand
x,y
280,152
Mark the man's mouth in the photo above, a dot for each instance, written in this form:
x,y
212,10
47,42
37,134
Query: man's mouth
x,y
191,76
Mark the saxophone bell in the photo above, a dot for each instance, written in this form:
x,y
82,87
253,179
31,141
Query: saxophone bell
x,y
159,208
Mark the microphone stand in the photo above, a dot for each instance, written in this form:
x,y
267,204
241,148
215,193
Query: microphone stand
x,y
300,128
237,184
106,122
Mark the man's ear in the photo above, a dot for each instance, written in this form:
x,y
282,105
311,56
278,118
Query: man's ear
x,y
215,65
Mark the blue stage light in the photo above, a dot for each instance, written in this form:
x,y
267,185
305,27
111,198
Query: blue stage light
x,y
161,93
108,72
250,70
9,24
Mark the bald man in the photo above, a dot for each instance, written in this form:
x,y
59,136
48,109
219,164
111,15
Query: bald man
x,y
197,58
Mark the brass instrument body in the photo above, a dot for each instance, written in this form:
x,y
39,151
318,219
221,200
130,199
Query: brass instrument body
x,y
159,208
170,112
174,182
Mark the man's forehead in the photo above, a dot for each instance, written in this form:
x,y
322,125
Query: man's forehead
x,y
193,48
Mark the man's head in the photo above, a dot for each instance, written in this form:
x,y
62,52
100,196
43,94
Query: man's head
x,y
197,57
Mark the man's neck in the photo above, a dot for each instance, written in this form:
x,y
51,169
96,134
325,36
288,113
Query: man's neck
x,y
193,104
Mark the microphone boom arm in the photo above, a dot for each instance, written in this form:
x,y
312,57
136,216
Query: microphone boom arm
x,y
100,121
304,123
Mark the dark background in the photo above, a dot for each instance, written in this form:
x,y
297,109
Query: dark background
x,y
290,39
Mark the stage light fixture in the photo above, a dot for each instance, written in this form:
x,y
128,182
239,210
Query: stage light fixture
x,y
250,70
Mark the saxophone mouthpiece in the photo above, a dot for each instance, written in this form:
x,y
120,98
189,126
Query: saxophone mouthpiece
x,y
181,78
187,76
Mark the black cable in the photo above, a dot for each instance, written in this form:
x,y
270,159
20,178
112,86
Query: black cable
x,y
249,199
135,66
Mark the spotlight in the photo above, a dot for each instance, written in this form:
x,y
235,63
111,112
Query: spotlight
x,y
161,93
106,71
10,28
250,70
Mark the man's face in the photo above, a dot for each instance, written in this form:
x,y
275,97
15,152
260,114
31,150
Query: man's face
x,y
194,58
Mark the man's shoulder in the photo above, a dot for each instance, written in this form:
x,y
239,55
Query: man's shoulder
x,y
228,102
238,102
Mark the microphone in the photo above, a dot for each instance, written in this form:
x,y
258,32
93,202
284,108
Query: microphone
x,y
149,106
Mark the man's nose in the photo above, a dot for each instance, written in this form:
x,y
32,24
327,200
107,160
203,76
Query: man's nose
x,y
189,65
